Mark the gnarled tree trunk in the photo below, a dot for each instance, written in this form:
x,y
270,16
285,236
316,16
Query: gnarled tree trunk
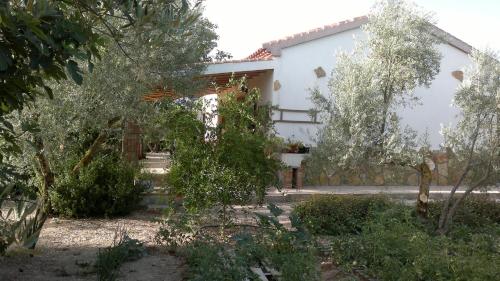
x,y
450,207
423,190
96,145
45,172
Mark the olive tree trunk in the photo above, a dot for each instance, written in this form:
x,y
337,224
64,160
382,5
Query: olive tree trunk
x,y
423,190
45,172
96,145
450,207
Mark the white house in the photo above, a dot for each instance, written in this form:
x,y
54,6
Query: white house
x,y
286,70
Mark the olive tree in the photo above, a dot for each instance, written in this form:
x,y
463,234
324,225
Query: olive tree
x,y
160,45
45,42
41,41
78,119
369,86
158,58
475,140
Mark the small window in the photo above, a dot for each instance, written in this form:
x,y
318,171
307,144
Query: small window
x,y
320,72
458,74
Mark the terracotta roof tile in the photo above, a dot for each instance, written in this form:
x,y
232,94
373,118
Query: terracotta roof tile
x,y
273,48
260,54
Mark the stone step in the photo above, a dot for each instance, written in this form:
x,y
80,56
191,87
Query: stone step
x,y
151,198
155,165
157,155
148,161
161,171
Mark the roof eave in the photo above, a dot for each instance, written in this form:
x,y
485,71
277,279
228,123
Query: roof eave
x,y
240,66
275,47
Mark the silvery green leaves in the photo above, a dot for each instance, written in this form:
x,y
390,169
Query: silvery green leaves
x,y
476,137
369,84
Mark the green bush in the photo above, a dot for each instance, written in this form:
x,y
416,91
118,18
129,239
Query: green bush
x,y
388,242
213,261
230,164
334,215
474,212
395,246
270,245
103,188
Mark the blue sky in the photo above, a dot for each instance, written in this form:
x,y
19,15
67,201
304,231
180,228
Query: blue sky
x,y
245,24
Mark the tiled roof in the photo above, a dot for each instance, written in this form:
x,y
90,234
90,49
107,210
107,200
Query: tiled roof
x,y
275,47
260,54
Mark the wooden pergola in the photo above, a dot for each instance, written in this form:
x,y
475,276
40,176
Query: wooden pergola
x,y
219,80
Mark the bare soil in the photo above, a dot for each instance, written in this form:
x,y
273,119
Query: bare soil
x,y
67,250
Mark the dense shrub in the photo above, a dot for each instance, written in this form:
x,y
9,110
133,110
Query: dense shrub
x,y
232,162
270,246
214,261
395,246
475,211
387,241
104,188
334,215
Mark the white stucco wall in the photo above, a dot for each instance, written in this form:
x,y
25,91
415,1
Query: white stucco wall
x,y
264,82
294,70
435,108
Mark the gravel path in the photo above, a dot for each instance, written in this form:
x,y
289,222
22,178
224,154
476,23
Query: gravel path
x,y
67,250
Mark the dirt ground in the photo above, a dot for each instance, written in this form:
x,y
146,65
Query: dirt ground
x,y
67,250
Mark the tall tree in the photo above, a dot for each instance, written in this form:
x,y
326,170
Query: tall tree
x,y
142,45
48,40
475,140
369,85
79,119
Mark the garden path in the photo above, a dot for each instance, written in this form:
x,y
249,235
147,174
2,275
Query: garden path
x,y
67,250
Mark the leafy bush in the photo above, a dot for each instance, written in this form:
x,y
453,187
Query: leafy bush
x,y
394,245
104,188
334,215
289,252
474,211
230,162
110,259
213,261
269,245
